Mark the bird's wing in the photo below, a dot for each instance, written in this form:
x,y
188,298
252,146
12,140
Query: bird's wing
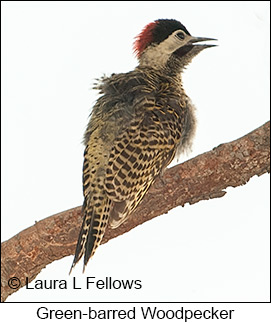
x,y
139,154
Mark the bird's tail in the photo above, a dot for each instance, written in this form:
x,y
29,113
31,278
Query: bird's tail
x,y
92,230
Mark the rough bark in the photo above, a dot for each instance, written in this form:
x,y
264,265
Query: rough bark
x,y
201,178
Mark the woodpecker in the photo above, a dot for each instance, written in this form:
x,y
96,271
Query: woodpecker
x,y
141,121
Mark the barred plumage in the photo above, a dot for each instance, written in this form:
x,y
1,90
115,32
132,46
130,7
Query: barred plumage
x,y
137,126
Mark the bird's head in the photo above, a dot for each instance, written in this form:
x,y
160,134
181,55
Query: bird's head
x,y
167,43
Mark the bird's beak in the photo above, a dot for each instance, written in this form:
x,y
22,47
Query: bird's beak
x,y
194,40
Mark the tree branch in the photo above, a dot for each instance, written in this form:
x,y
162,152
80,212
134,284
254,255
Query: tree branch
x,y
201,178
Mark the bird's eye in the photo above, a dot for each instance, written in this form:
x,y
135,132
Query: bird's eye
x,y
180,35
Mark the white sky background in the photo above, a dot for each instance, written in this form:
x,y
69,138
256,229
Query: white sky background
x,y
216,250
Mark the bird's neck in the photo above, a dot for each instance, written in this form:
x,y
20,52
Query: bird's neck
x,y
167,72
161,63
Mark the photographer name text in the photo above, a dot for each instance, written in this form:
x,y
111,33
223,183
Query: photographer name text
x,y
89,283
